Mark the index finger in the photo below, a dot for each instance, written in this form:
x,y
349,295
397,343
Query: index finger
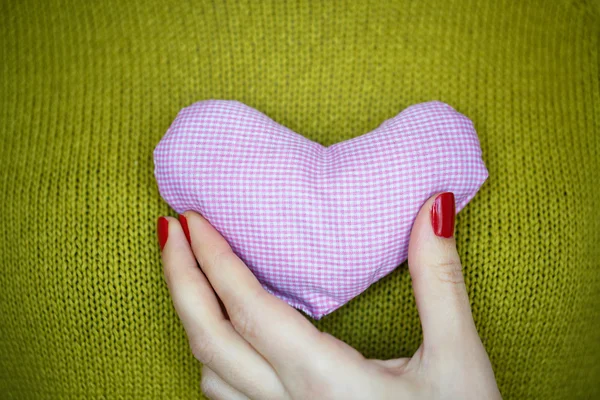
x,y
276,330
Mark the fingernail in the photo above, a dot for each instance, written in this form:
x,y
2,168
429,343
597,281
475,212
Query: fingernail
x,y
163,231
184,225
442,215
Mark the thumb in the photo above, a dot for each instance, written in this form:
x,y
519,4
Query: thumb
x,y
437,278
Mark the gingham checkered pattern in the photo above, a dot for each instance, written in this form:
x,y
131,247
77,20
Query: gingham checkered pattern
x,y
316,225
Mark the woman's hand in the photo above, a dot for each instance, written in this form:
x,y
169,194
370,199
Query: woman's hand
x,y
255,346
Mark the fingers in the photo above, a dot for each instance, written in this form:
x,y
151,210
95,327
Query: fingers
x,y
216,388
192,295
277,331
213,340
437,277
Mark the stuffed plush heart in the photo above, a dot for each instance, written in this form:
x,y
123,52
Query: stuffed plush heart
x,y
316,225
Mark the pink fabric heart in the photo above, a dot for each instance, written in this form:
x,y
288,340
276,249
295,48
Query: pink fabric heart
x,y
316,225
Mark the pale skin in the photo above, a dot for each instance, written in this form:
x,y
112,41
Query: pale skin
x,y
258,347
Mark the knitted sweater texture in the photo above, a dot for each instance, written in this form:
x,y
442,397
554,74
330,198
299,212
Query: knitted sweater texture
x,y
87,89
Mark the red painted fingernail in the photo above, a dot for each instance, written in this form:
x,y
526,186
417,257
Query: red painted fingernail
x,y
442,215
184,225
163,231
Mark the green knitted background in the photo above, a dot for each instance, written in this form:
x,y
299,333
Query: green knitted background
x,y
88,89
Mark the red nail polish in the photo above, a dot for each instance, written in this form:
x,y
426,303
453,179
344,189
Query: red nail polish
x,y
184,225
163,231
442,215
